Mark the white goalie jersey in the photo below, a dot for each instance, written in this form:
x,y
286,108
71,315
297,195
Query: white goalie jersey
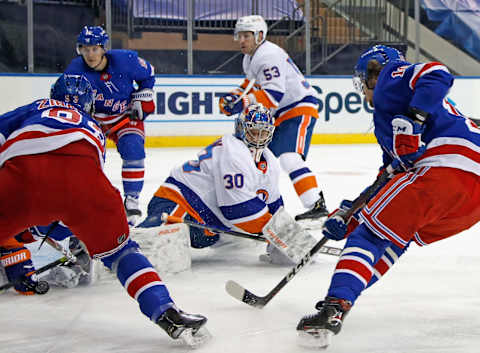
x,y
225,187
280,85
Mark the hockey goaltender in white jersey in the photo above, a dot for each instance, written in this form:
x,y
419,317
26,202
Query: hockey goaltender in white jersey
x,y
232,185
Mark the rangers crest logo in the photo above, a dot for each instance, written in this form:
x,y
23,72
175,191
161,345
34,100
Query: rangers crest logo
x,y
105,76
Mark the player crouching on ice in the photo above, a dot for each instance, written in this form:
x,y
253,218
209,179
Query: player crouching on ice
x,y
434,193
52,154
232,185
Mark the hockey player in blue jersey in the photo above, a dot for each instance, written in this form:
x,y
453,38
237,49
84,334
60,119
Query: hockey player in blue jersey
x,y
113,75
51,160
433,194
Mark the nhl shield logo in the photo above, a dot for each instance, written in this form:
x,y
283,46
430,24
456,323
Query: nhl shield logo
x,y
121,238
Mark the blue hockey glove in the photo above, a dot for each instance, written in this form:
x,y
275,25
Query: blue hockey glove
x,y
18,264
407,142
335,228
228,106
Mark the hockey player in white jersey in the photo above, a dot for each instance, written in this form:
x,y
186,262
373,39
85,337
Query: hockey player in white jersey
x,y
281,88
232,185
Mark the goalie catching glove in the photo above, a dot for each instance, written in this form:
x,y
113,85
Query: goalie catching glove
x,y
142,104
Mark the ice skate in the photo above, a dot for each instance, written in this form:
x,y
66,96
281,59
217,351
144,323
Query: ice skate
x,y
316,330
315,217
132,209
188,327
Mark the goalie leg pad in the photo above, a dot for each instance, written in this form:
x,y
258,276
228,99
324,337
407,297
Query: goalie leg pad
x,y
167,246
288,236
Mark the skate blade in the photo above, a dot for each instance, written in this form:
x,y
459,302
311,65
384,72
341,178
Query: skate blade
x,y
318,339
201,337
312,224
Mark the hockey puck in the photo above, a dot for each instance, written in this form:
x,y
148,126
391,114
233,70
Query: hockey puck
x,y
42,287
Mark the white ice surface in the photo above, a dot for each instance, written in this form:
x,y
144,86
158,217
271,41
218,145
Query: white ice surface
x,y
428,303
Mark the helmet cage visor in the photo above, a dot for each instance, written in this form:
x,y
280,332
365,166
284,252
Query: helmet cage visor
x,y
258,134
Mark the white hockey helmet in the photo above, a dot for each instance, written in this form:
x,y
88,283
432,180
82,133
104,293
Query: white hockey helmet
x,y
252,23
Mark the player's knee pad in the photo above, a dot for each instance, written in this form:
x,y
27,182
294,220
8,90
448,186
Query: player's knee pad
x,y
291,161
17,263
131,147
112,261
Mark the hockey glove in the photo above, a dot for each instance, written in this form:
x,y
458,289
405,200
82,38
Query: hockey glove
x,y
18,264
228,104
407,142
142,104
335,228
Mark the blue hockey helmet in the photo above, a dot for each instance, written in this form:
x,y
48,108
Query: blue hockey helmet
x,y
75,90
255,126
382,54
92,35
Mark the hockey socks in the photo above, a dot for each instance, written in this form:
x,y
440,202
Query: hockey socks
x,y
133,172
140,279
388,259
303,180
355,267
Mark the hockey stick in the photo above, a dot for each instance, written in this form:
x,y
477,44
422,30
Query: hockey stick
x,y
117,126
244,295
361,200
329,250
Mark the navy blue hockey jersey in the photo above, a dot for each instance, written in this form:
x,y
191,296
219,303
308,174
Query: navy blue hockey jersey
x,y
452,140
46,125
114,85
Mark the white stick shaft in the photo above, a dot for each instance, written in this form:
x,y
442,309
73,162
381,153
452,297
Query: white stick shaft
x,y
245,91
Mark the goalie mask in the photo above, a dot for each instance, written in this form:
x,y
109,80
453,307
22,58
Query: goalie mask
x,y
382,54
253,23
255,127
92,35
74,90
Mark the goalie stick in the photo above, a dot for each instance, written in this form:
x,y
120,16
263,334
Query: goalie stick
x,y
329,250
244,295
